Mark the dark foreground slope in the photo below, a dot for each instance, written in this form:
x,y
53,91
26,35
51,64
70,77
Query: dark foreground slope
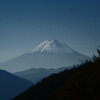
x,y
11,85
81,83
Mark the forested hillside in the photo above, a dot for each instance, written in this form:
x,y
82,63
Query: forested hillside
x,y
78,83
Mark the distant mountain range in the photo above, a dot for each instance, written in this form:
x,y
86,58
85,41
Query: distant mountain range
x,y
49,54
36,74
11,85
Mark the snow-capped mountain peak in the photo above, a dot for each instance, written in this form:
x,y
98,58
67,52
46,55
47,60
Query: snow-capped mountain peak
x,y
53,46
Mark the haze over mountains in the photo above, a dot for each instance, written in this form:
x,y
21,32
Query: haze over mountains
x,y
49,54
36,74
81,83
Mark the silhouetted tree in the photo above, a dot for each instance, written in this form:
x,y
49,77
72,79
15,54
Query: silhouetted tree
x,y
95,58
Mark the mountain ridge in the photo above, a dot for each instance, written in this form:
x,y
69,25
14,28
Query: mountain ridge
x,y
36,74
11,85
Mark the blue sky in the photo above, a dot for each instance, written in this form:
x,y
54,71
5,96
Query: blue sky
x,y
24,24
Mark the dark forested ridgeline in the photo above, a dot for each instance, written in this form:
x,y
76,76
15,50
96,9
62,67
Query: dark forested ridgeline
x,y
81,83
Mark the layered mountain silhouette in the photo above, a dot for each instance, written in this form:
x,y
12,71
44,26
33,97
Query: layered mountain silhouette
x,y
81,83
36,74
11,85
49,54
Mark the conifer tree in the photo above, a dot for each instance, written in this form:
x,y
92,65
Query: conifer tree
x,y
96,58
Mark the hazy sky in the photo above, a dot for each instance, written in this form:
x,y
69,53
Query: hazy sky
x,y
26,23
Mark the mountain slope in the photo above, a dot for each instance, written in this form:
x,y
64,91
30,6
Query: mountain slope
x,y
11,85
49,54
81,83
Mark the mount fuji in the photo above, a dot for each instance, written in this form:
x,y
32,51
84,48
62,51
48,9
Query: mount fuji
x,y
53,46
49,54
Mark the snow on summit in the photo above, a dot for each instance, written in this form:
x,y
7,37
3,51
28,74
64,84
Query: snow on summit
x,y
53,46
